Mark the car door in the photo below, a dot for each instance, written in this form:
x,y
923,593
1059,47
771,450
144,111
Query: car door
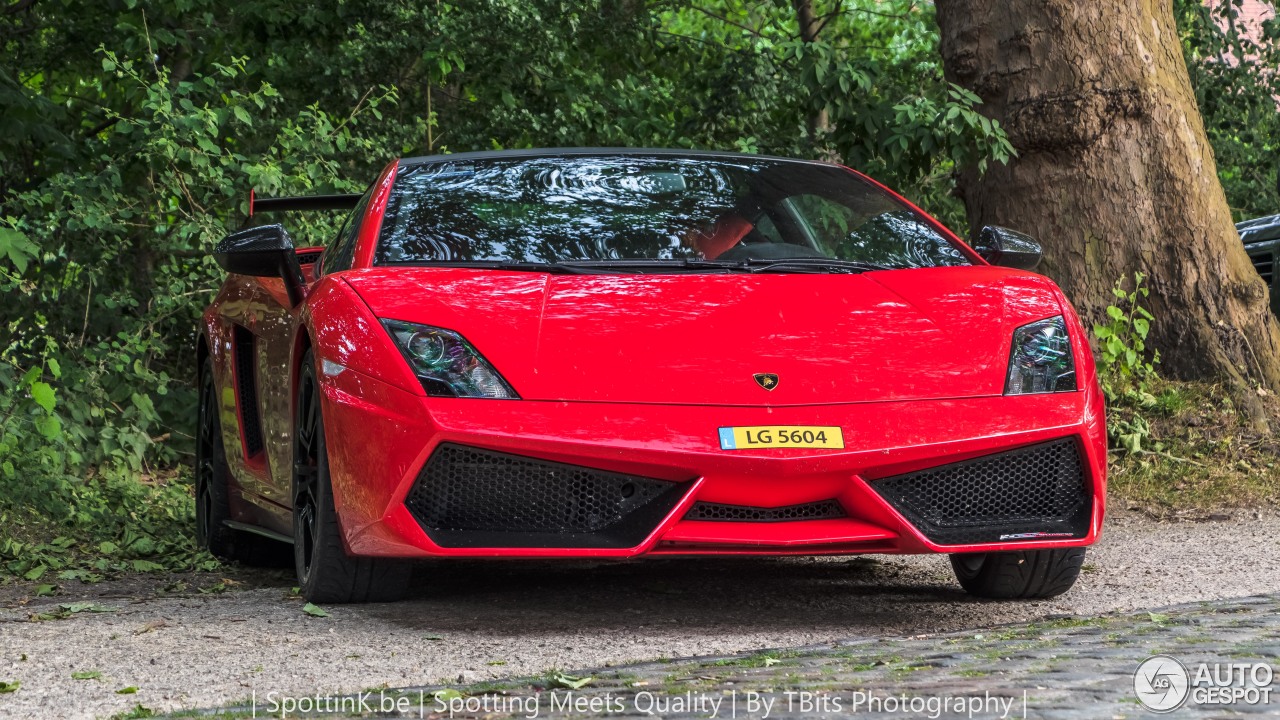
x,y
277,335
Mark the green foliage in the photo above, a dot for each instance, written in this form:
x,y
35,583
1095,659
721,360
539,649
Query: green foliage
x,y
1122,357
99,314
1233,72
138,712
1125,368
873,73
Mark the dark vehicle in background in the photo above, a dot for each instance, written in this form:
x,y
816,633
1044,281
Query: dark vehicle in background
x,y
1261,238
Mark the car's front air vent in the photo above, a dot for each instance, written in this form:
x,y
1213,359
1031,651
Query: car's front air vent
x,y
1036,491
470,497
715,512
247,391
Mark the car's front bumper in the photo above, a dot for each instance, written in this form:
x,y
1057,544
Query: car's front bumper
x,y
380,439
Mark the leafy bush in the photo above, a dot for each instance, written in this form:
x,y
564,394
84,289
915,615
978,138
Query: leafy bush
x,y
103,275
1122,354
1233,73
1125,368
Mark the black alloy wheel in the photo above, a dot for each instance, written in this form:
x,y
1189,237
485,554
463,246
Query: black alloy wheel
x,y
326,573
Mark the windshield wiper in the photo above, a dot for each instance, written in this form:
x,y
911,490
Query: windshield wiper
x,y
812,265
564,268
589,267
641,266
647,265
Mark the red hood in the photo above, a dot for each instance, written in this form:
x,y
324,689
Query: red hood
x,y
699,339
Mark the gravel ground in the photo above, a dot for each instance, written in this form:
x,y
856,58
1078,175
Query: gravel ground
x,y
475,621
1061,669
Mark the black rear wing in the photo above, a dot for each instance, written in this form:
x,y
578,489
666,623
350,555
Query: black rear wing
x,y
306,203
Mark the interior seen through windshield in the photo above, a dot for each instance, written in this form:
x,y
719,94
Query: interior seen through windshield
x,y
576,208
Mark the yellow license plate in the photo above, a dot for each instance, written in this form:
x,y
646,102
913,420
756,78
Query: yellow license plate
x,y
780,436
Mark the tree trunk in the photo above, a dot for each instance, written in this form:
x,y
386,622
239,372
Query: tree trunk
x,y
810,26
1114,172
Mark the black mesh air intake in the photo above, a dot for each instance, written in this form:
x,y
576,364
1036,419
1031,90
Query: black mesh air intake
x,y
247,387
1033,490
468,497
823,510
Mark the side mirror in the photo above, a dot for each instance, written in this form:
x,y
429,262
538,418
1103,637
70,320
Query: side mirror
x,y
265,251
1008,248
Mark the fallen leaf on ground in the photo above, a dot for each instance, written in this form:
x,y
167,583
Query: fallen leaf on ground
x,y
314,610
570,682
86,675
127,690
66,610
8,687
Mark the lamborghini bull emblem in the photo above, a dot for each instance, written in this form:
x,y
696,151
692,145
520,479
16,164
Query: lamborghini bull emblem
x,y
768,381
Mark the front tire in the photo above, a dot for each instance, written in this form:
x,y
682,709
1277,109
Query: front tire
x,y
1023,574
326,573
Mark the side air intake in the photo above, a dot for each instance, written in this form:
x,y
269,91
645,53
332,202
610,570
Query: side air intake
x,y
247,391
469,497
1034,490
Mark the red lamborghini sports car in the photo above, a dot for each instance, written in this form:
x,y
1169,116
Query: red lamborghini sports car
x,y
617,353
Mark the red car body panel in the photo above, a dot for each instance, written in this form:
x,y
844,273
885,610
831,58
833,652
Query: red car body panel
x,y
634,374
690,339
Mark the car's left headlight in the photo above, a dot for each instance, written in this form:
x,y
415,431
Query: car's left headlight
x,y
1041,361
446,364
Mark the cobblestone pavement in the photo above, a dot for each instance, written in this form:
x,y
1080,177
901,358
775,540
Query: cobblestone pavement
x,y
201,642
1068,668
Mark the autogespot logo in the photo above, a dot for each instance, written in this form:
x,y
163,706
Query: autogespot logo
x,y
1161,683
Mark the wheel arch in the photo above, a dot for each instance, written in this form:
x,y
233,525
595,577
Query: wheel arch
x,y
302,343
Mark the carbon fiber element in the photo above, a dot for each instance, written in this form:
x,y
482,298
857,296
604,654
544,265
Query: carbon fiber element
x,y
822,510
1030,491
468,497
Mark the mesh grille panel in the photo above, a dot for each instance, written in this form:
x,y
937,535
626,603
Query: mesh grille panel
x,y
468,497
1038,489
823,510
1264,263
248,391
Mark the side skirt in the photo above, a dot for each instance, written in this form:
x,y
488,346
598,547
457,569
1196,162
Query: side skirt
x,y
244,527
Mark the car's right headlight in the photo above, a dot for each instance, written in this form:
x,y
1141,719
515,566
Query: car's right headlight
x,y
1040,361
446,364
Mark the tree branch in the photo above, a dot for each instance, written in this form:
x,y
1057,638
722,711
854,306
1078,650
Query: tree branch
x,y
19,7
726,20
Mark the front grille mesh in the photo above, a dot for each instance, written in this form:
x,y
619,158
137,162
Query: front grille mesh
x,y
1264,263
469,497
1038,489
823,510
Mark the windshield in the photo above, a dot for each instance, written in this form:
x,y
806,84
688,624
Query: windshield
x,y
643,211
